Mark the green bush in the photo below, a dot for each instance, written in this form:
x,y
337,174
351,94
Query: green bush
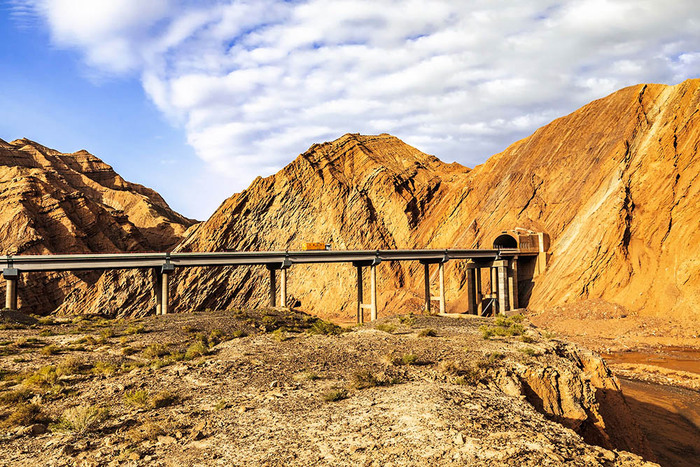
x,y
325,328
198,349
334,395
81,419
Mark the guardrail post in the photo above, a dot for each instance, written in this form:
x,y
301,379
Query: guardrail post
x,y
11,276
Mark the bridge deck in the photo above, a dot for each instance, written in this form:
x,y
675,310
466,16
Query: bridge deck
x,y
29,263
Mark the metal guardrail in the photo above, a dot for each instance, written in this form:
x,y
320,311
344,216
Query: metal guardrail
x,y
29,263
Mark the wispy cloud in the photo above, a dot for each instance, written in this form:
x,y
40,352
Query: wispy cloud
x,y
254,82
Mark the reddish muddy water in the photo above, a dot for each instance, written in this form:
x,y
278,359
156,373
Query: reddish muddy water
x,y
673,358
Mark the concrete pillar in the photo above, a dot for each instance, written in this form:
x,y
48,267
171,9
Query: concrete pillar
x,y
441,273
426,275
479,294
11,294
502,289
11,276
165,280
494,281
373,291
158,291
273,287
360,313
283,288
513,283
471,291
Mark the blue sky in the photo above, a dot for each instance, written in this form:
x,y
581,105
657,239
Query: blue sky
x,y
195,99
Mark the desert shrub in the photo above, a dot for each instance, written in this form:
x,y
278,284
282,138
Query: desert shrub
x,y
154,351
528,351
190,329
128,350
306,376
390,328
46,320
216,336
333,395
51,350
46,333
527,339
325,328
365,379
16,396
136,397
409,359
81,419
238,334
44,377
408,320
222,404
104,368
135,329
269,323
280,335
106,334
146,431
198,349
70,365
24,415
163,399
427,333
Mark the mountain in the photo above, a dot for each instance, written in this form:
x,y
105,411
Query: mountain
x,y
613,184
53,202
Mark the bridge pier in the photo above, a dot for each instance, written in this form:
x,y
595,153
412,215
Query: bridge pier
x,y
502,282
273,286
283,287
479,295
162,287
426,288
428,297
11,276
513,283
471,291
372,305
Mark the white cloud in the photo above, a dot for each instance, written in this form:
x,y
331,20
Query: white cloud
x,y
255,82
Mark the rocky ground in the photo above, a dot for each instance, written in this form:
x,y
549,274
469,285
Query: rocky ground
x,y
275,387
658,362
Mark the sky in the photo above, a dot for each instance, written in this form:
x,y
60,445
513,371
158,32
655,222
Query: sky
x,y
197,98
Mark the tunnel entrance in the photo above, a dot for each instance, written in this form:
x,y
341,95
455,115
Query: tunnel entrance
x,y
505,241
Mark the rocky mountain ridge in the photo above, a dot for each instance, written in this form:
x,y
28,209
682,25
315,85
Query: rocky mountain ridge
x,y
58,203
613,185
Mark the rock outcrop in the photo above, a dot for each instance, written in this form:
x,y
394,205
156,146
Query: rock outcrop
x,y
52,203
